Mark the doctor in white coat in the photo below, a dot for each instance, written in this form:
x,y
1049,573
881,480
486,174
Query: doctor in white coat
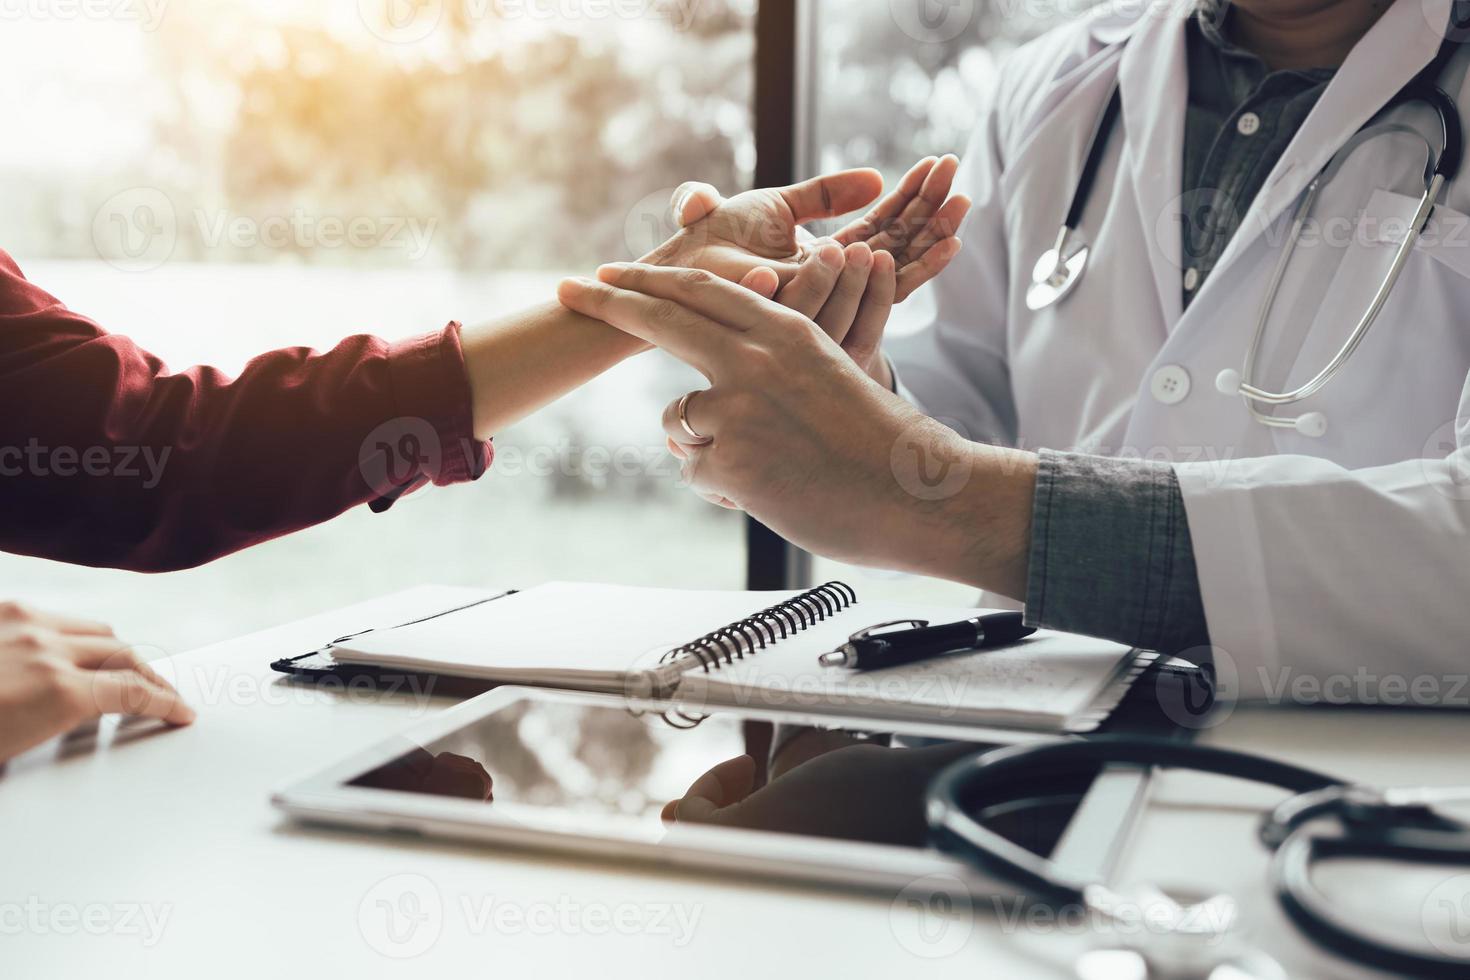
x,y
1094,462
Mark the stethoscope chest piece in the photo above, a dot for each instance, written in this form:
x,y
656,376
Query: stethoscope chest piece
x,y
1055,277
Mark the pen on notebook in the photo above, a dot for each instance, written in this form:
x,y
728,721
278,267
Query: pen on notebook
x,y
870,649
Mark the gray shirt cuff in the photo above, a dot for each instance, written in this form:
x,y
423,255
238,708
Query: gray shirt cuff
x,y
1111,554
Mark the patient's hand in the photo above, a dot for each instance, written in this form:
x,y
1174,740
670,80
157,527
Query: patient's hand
x,y
759,228
907,239
58,672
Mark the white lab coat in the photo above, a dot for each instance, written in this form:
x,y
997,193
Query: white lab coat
x,y
1346,555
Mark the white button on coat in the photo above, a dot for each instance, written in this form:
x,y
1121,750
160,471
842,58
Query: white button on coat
x,y
1170,385
1191,279
1248,124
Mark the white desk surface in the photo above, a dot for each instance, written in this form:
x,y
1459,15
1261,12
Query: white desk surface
x,y
159,855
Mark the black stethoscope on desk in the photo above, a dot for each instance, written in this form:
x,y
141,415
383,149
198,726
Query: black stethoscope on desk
x,y
1060,267
1326,819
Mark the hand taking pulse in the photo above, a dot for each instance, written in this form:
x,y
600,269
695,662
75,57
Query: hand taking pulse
x,y
57,673
795,434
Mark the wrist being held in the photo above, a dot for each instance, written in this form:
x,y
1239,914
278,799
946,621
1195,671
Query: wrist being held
x,y
793,432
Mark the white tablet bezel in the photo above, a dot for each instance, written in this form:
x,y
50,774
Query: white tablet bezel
x,y
1110,810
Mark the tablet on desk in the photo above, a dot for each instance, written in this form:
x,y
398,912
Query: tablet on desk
x,y
593,774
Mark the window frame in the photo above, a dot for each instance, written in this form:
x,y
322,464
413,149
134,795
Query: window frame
x,y
784,139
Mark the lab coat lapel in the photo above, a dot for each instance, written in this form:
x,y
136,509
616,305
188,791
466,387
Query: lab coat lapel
x,y
1403,41
1154,83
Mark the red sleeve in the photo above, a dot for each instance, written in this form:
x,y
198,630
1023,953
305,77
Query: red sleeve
x,y
108,459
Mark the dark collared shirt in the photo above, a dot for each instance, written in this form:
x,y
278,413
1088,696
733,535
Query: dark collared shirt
x,y
1240,118
1111,553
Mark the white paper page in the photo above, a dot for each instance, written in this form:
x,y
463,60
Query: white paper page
x,y
562,626
1053,674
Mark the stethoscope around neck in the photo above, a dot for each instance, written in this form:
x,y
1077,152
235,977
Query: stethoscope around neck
x,y
1060,268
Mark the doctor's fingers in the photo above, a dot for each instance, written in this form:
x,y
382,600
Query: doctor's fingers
x,y
703,412
695,473
907,226
690,336
687,467
892,205
714,300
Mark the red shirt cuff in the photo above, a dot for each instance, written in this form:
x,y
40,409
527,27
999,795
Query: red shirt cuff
x,y
430,383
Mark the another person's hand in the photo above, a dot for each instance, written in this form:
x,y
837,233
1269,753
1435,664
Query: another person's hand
x,y
859,792
796,435
57,673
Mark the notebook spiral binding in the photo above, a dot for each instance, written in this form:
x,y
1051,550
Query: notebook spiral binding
x,y
754,633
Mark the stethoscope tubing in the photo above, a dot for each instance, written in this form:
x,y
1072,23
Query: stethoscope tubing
x,y
1314,914
954,830
1291,830
1059,270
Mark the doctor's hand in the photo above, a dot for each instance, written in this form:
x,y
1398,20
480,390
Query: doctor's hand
x,y
57,673
795,434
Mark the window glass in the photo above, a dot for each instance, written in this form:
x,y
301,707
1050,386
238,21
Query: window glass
x,y
892,83
216,178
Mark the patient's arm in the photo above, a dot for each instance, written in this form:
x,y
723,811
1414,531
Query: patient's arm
x,y
521,363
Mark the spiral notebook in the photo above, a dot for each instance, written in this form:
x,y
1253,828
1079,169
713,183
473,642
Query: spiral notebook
x,y
700,650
